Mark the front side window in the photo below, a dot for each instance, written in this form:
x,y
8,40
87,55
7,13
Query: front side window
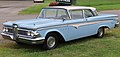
x,y
54,14
76,14
88,13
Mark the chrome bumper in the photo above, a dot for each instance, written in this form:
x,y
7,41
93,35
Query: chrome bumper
x,y
23,39
117,24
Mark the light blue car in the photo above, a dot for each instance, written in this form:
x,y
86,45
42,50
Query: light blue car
x,y
59,23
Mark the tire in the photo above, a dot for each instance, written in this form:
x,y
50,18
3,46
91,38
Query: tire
x,y
100,33
51,41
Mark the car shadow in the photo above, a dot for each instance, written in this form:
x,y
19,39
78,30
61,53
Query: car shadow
x,y
39,48
80,40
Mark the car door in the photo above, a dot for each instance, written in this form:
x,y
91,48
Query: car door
x,y
91,25
74,29
78,25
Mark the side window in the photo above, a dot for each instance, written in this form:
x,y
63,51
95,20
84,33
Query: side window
x,y
88,13
50,13
76,14
62,14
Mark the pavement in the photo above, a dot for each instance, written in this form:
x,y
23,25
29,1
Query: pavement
x,y
117,12
9,11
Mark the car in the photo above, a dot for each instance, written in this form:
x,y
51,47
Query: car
x,y
59,23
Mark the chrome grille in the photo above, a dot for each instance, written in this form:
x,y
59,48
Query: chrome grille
x,y
10,30
21,32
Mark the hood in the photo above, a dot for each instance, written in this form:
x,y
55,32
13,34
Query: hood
x,y
33,23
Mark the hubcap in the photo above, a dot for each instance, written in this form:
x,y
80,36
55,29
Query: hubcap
x,y
51,41
100,32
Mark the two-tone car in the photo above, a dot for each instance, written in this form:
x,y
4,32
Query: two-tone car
x,y
59,23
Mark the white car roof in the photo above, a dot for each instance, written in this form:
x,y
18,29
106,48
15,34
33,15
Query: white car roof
x,y
72,7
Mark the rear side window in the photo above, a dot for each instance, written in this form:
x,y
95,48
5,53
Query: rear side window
x,y
88,13
76,14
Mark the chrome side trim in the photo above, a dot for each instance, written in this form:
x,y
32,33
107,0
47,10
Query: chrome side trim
x,y
86,23
73,24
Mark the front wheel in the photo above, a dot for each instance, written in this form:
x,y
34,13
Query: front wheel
x,y
51,41
100,33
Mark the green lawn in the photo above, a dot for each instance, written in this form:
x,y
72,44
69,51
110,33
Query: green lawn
x,y
108,46
99,4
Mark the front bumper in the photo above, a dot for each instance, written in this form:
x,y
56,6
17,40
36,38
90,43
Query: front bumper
x,y
23,39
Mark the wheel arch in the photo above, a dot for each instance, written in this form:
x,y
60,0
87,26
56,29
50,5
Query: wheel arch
x,y
60,35
103,26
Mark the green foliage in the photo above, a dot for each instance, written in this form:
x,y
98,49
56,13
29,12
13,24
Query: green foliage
x,y
35,9
99,4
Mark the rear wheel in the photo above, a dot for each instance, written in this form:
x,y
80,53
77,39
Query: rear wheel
x,y
100,33
51,41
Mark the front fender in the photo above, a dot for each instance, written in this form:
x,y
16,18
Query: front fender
x,y
54,30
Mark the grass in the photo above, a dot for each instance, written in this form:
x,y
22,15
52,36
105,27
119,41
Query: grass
x,y
108,46
99,4
33,9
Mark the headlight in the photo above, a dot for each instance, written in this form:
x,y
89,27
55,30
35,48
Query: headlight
x,y
29,33
5,29
33,33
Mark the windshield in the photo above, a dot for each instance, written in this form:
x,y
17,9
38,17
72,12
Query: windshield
x,y
54,14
